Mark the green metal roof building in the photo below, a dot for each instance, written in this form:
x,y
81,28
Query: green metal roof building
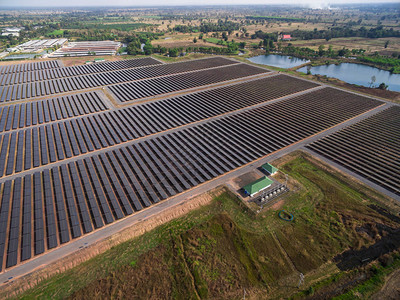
x,y
257,186
269,168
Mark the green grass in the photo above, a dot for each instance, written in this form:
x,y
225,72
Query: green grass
x,y
56,32
215,41
223,247
153,17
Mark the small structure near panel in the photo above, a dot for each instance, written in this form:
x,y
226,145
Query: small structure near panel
x,y
269,168
257,186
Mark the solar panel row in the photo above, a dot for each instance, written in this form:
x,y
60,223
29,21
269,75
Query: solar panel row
x,y
63,140
68,84
117,183
32,113
369,148
48,74
173,83
26,67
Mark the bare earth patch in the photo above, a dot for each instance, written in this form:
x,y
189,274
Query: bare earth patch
x,y
391,289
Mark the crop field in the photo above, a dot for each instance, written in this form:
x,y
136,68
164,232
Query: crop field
x,y
368,148
370,45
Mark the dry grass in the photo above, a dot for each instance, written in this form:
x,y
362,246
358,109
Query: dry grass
x,y
370,45
75,61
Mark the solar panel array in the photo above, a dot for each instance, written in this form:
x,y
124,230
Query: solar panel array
x,y
369,148
38,112
150,151
42,145
60,72
27,67
80,196
69,84
174,83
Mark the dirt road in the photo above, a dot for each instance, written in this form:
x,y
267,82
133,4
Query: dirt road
x,y
391,289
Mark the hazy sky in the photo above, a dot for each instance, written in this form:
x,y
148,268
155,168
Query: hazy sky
x,y
49,3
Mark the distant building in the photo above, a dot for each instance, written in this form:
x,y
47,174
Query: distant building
x,y
14,31
38,45
286,37
87,48
13,49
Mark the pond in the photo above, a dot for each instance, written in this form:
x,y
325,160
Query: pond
x,y
357,74
279,61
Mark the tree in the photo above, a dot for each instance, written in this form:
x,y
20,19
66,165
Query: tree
x,y
321,51
173,52
373,79
383,86
342,52
330,50
386,44
148,49
232,47
271,44
195,40
308,69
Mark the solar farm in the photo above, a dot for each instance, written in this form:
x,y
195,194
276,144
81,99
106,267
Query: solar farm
x,y
82,147
369,148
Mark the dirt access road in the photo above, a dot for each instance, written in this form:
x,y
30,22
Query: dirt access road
x,y
391,288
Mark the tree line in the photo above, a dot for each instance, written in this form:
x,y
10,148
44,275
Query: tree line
x,y
338,32
221,25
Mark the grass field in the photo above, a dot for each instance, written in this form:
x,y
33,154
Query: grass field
x,y
57,32
370,45
218,250
215,41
